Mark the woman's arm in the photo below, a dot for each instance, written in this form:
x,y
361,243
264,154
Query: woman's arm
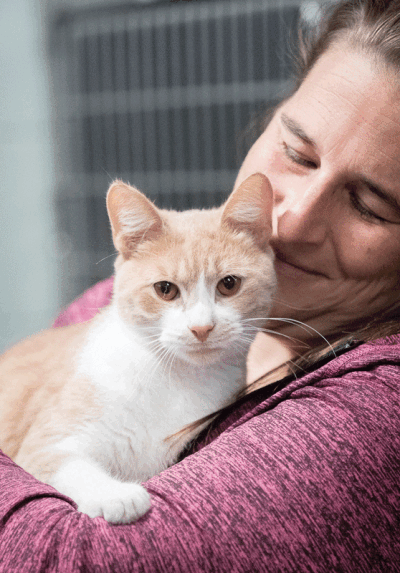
x,y
88,304
305,481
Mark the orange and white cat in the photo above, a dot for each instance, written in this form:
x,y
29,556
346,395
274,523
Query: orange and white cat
x,y
89,408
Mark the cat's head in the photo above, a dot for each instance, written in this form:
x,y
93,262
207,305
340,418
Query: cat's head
x,y
192,283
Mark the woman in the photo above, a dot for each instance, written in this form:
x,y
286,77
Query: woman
x,y
302,474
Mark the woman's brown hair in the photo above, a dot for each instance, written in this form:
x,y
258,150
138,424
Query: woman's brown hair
x,y
371,25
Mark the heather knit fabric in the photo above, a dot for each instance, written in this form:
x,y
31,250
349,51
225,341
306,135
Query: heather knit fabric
x,y
88,304
304,480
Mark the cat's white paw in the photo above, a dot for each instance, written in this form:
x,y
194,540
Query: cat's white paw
x,y
122,503
98,494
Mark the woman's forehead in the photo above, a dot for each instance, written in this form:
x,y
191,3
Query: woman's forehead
x,y
346,104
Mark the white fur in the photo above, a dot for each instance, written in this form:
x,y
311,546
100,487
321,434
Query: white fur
x,y
144,399
135,223
246,213
99,494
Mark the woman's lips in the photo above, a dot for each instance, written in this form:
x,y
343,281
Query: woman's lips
x,y
283,264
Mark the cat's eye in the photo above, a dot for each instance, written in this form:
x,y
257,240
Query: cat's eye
x,y
166,290
228,286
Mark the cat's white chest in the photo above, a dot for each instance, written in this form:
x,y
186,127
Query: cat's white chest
x,y
144,401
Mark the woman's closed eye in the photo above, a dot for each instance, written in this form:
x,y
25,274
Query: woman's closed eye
x,y
372,208
379,212
297,158
363,209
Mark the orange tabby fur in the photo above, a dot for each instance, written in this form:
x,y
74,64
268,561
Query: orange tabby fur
x,y
47,389
43,401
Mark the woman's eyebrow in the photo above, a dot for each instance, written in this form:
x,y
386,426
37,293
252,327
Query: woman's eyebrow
x,y
296,129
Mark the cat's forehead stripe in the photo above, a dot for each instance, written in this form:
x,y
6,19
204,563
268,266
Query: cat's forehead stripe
x,y
192,264
194,243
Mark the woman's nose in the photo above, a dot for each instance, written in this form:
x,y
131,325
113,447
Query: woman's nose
x,y
302,215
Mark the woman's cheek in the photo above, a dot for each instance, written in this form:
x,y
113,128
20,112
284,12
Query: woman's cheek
x,y
366,251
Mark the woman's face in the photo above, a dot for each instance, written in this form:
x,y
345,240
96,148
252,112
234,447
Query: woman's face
x,y
332,154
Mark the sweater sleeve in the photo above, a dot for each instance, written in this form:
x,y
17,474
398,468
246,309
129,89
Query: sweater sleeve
x,y
87,305
304,481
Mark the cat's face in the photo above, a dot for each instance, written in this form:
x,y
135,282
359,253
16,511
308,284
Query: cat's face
x,y
195,286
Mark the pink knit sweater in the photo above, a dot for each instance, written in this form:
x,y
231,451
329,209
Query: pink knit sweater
x,y
305,479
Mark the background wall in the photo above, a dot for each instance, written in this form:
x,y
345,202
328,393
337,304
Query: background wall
x,y
29,287
157,93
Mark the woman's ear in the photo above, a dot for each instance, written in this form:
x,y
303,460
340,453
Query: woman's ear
x,y
132,216
249,209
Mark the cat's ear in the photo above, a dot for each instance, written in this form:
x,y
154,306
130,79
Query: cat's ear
x,y
132,216
249,209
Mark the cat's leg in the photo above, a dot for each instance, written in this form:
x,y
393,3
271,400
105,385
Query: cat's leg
x,y
98,494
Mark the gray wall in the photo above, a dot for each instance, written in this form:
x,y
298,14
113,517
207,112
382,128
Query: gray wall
x,y
157,94
54,232
28,254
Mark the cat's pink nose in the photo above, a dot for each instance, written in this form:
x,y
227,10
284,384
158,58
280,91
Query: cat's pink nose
x,y
202,332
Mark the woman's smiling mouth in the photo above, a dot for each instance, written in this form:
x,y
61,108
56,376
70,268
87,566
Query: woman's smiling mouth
x,y
284,265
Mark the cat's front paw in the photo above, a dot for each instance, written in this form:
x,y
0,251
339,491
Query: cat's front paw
x,y
98,494
122,503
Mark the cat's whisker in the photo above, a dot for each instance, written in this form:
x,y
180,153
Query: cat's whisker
x,y
298,323
293,307
146,373
243,348
160,353
292,370
164,357
173,355
243,344
107,257
151,338
268,331
146,335
307,328
248,337
156,348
